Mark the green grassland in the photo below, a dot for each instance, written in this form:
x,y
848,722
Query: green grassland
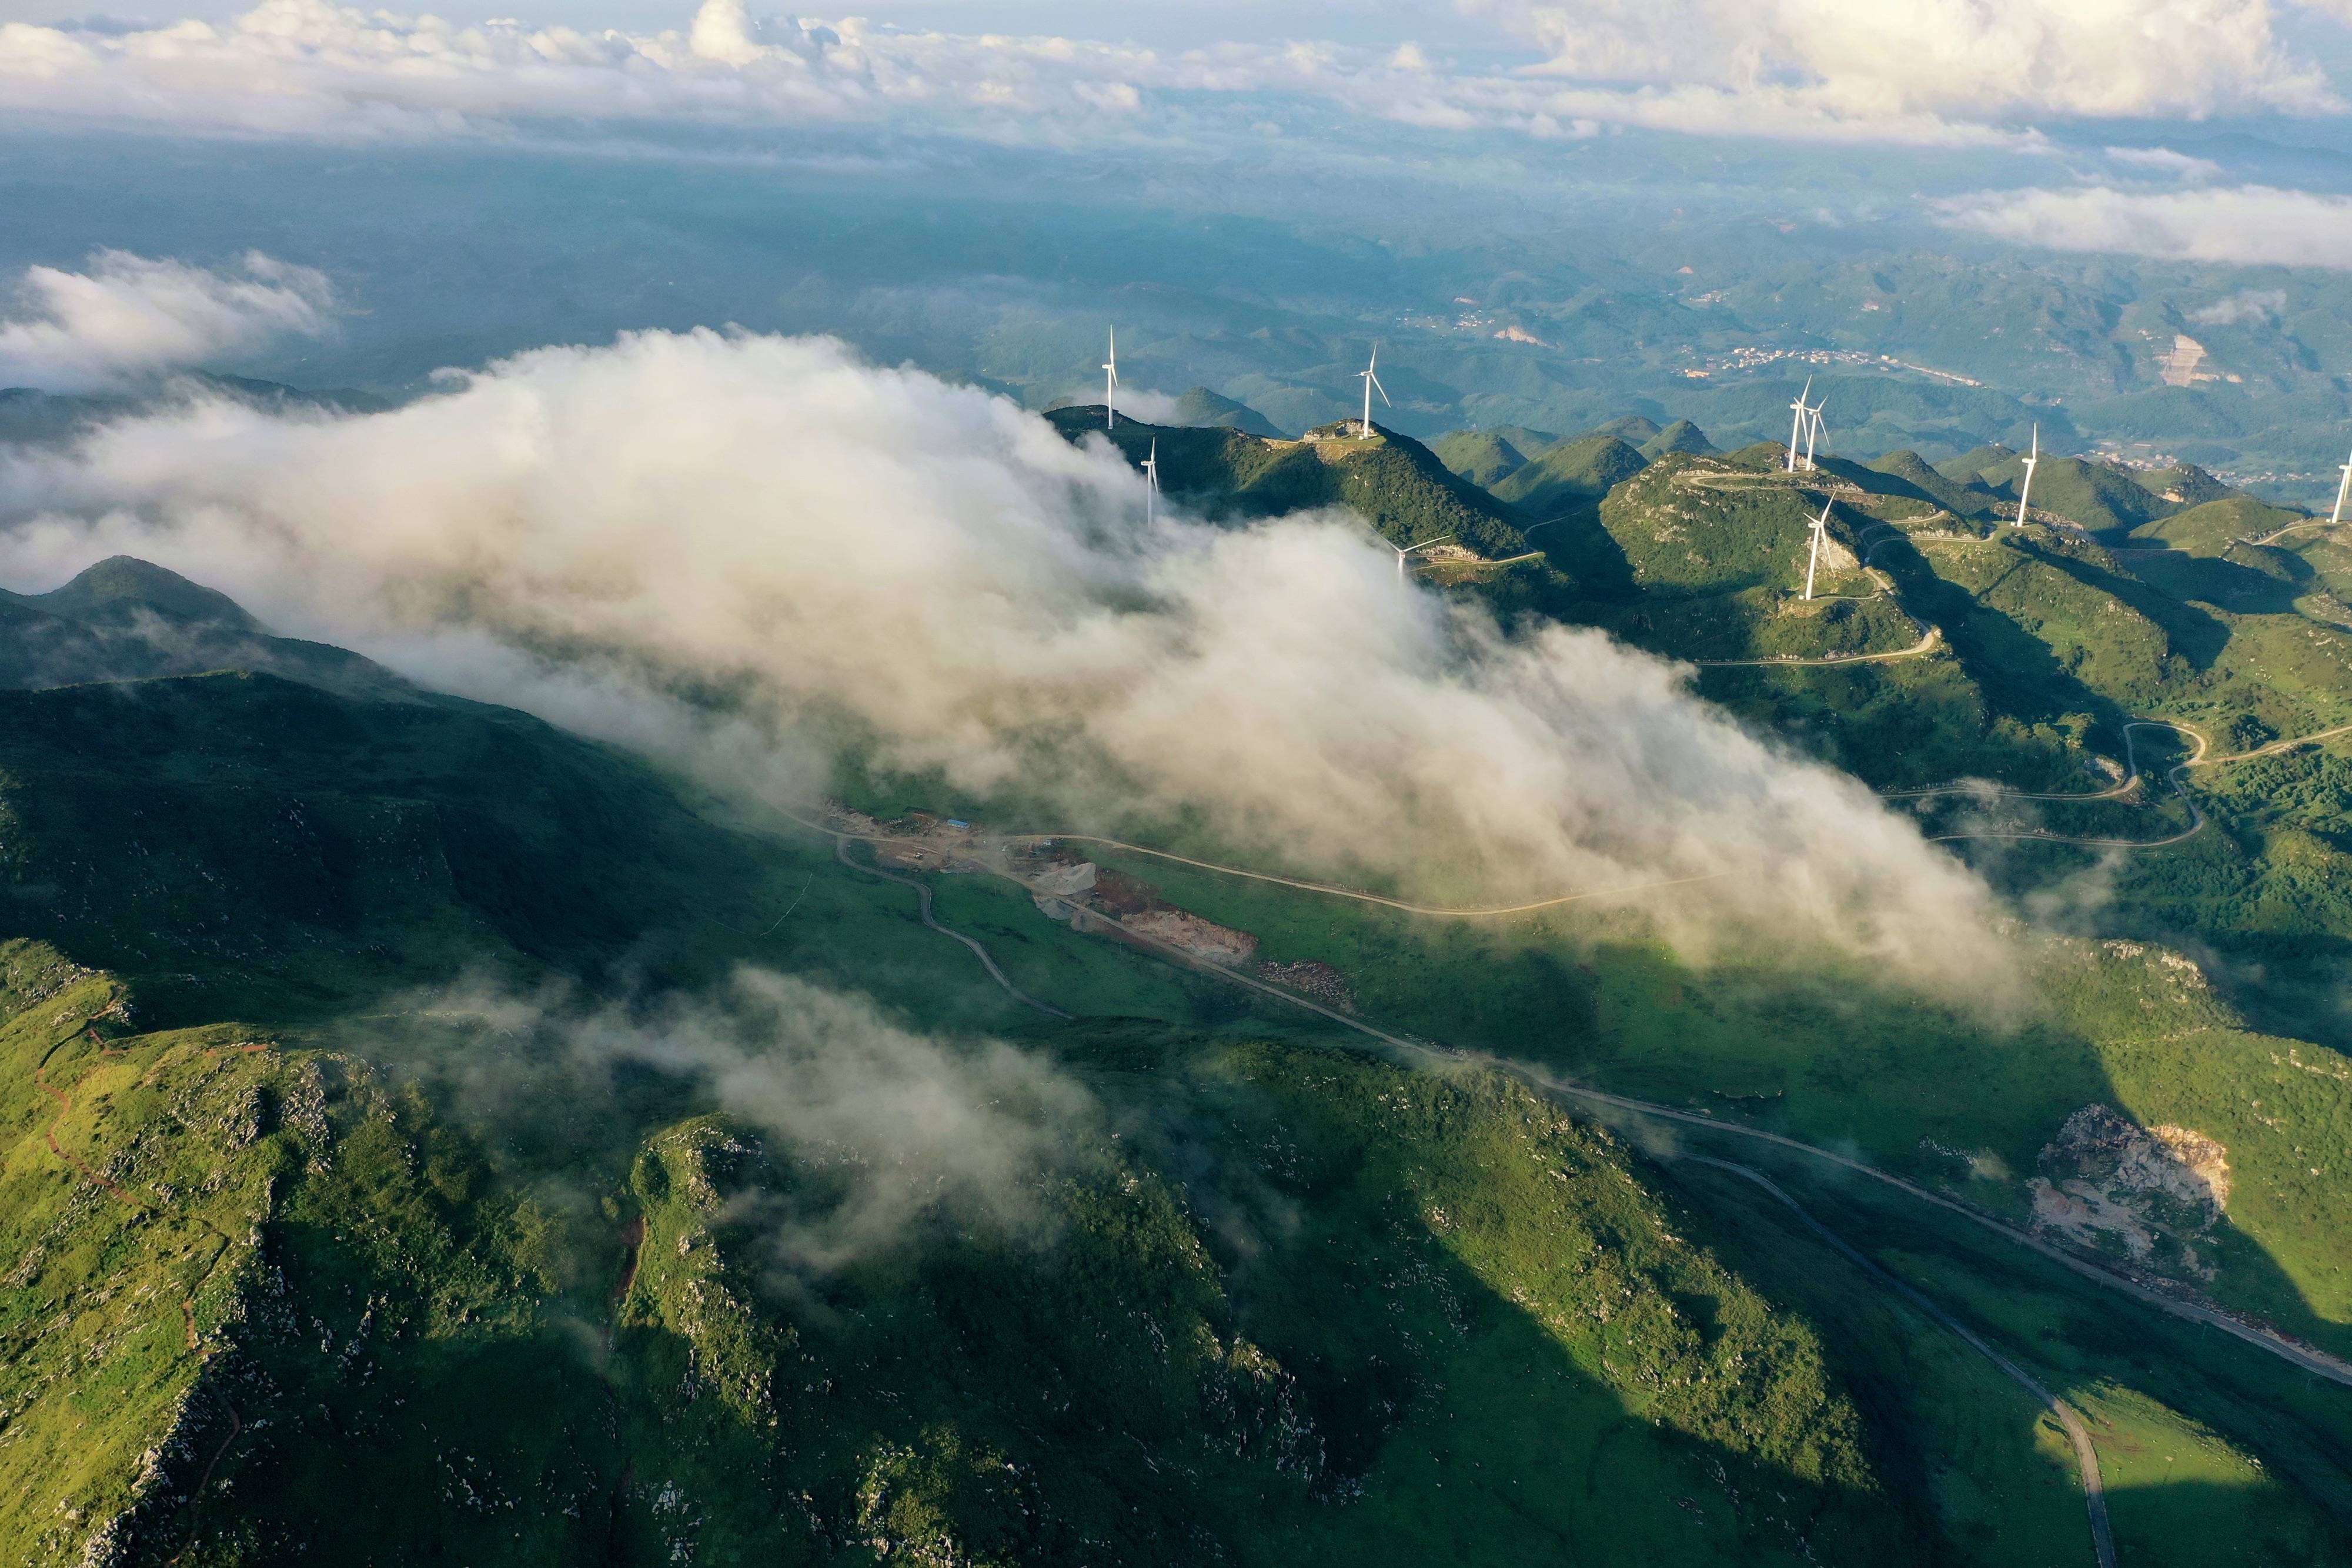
x,y
1275,1300
1839,1060
2210,1452
1189,1369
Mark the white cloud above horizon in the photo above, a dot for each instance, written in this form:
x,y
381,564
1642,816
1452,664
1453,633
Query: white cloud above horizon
x,y
1969,59
1978,73
126,317
2240,225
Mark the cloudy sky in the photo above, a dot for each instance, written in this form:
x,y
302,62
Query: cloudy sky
x,y
1953,72
583,247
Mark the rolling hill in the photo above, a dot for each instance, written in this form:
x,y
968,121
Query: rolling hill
x,y
1569,475
289,1224
351,1225
1480,456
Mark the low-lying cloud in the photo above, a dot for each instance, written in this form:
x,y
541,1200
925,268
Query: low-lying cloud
x,y
126,317
882,1124
849,551
2261,306
2247,224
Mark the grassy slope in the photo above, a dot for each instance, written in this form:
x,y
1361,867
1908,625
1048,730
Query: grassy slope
x,y
390,1311
1571,473
1479,456
1535,1373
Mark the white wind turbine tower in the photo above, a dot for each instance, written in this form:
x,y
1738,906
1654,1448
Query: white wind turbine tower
x,y
1821,530
1371,380
1405,551
1797,423
1150,481
2026,490
1813,430
2343,485
1110,384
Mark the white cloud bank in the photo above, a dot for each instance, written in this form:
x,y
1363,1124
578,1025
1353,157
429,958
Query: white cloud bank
x,y
1966,59
2246,225
1947,71
944,574
127,318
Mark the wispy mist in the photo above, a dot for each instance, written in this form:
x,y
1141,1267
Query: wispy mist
x,y
878,1124
615,536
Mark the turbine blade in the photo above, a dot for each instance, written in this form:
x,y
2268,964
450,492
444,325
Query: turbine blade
x,y
1383,391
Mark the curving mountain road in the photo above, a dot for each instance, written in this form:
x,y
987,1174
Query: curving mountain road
x,y
2086,1456
841,842
2316,1361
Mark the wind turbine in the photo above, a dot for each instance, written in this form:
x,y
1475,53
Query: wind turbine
x,y
1797,423
2342,486
2027,488
1371,380
1110,384
1408,549
1821,530
1150,481
1813,431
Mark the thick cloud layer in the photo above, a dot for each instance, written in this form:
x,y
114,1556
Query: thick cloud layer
x,y
1807,69
127,318
847,549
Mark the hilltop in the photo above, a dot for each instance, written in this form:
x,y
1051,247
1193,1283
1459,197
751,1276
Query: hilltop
x,y
1394,482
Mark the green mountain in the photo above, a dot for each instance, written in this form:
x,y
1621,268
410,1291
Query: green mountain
x,y
1633,429
1970,468
1961,498
1571,473
1395,482
1682,435
2183,484
1479,456
1531,443
1204,407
